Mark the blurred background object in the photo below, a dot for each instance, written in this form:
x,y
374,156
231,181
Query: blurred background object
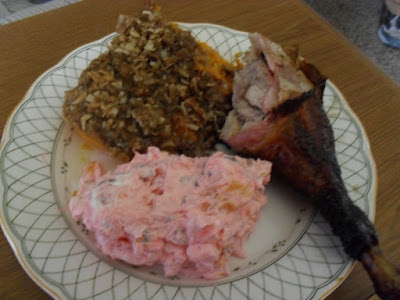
x,y
389,31
39,1
357,20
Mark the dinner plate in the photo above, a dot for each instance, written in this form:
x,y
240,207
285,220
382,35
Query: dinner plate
x,y
292,253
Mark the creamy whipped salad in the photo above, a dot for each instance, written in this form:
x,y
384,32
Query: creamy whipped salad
x,y
187,214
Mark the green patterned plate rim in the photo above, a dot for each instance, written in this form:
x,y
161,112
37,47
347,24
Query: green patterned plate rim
x,y
300,258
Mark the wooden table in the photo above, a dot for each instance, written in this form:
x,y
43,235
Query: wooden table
x,y
31,46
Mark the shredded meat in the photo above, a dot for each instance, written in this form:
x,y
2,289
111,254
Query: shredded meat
x,y
155,86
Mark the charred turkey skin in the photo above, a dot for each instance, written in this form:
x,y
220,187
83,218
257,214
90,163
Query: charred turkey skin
x,y
277,117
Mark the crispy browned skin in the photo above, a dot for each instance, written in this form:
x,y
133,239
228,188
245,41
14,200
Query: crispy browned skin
x,y
301,146
297,137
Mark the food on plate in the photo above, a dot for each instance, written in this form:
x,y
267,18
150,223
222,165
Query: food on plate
x,y
278,116
155,86
187,214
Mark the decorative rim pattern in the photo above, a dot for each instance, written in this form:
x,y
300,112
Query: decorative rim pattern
x,y
58,262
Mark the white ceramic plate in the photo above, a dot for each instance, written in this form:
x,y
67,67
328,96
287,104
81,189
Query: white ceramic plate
x,y
291,255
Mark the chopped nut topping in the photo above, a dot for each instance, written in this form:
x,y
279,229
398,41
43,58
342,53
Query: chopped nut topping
x,y
156,85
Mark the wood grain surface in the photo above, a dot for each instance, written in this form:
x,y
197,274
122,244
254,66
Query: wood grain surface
x,y
31,46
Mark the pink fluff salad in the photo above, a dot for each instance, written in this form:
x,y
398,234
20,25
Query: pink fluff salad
x,y
187,214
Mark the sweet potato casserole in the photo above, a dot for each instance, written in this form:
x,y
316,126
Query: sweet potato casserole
x,y
155,86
